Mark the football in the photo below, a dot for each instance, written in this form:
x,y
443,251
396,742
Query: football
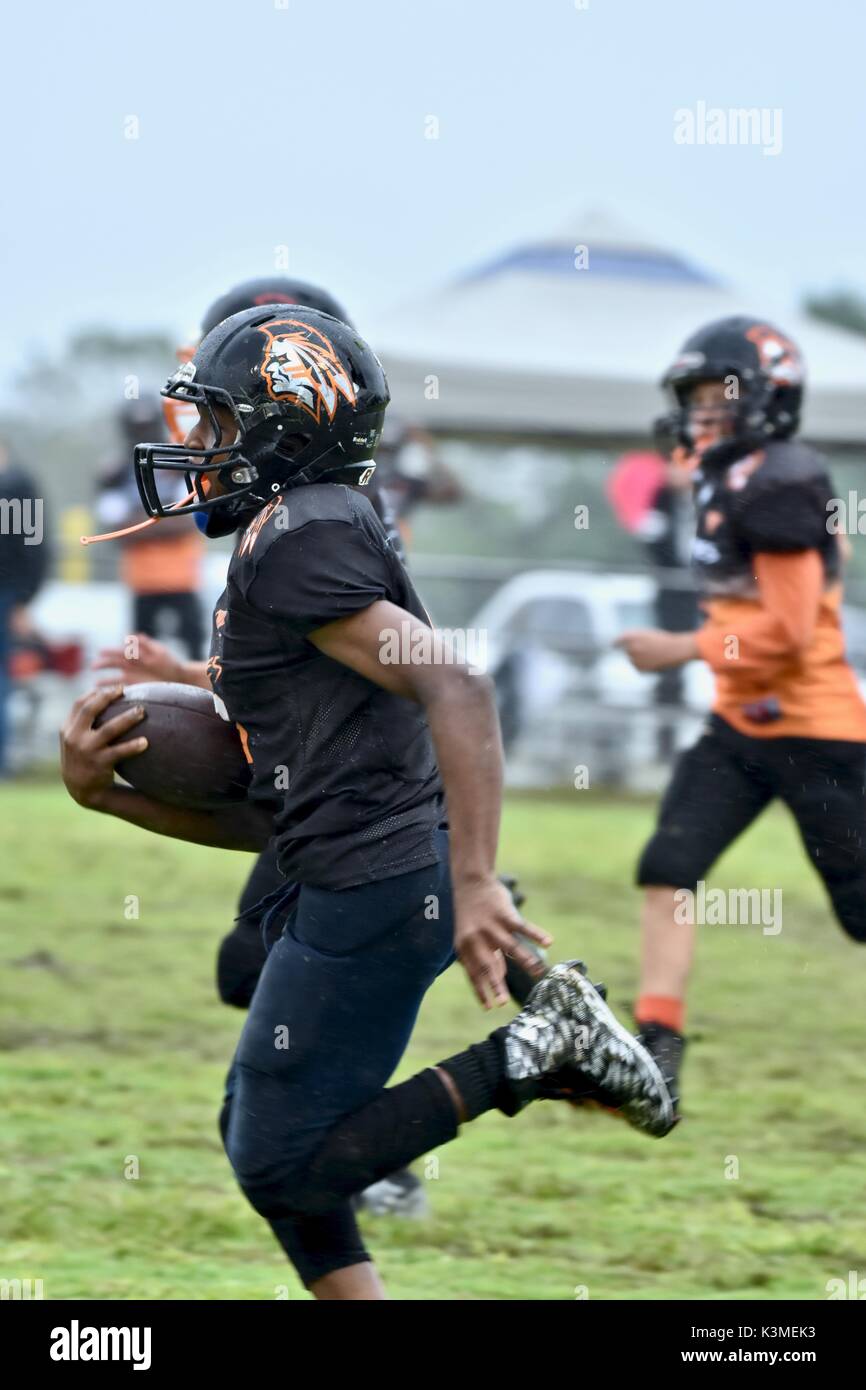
x,y
194,756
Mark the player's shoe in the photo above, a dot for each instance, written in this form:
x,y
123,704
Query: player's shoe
x,y
666,1046
400,1194
566,1024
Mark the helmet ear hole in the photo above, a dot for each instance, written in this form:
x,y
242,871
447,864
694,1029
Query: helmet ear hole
x,y
290,445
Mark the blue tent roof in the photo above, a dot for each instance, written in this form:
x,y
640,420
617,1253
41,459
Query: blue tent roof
x,y
612,262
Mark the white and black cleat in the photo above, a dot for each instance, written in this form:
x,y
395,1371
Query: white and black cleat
x,y
400,1194
566,1026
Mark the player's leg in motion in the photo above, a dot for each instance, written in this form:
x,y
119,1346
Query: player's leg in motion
x,y
240,960
823,782
717,790
309,1122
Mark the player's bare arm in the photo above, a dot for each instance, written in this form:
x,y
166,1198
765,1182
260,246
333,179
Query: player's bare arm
x,y
141,658
651,649
461,712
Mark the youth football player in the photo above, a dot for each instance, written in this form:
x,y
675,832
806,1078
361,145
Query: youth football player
x,y
364,737
242,951
788,720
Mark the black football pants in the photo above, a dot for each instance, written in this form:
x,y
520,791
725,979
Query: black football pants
x,y
242,952
725,780
328,1023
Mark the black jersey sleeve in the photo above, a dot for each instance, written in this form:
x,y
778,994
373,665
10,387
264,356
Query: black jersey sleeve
x,y
784,516
318,573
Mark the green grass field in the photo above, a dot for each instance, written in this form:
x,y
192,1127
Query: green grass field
x,y
114,1045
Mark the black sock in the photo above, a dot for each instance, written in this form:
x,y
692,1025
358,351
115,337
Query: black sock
x,y
405,1122
665,1046
400,1125
479,1075
519,981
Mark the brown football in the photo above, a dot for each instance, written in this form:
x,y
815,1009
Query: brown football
x,y
194,756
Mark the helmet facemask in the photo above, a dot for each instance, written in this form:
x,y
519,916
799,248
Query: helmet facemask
x,y
727,421
226,460
745,420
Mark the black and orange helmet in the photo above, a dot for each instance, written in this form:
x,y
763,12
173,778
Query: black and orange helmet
x,y
765,371
307,397
267,289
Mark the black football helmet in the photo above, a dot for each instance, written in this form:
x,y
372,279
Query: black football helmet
x,y
143,415
765,369
307,397
271,289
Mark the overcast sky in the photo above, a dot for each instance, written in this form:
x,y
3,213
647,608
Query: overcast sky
x,y
301,123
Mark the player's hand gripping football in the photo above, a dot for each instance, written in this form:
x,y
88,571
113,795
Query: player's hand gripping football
x,y
487,928
88,756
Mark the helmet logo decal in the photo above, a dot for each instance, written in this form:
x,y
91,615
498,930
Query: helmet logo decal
x,y
779,357
300,364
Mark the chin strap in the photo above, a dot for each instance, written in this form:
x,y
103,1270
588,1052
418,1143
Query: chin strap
x,y
139,526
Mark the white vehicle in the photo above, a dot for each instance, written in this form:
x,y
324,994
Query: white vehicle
x,y
568,698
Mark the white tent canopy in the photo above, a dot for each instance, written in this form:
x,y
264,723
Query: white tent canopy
x,y
531,343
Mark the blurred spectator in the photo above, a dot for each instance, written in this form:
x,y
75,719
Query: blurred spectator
x,y
651,496
409,473
23,565
162,565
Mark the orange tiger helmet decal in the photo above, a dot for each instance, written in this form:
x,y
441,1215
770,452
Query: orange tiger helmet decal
x,y
779,357
300,363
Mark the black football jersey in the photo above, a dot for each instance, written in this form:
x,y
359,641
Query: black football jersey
x,y
348,768
774,500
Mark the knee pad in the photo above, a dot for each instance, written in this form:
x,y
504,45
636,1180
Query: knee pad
x,y
275,1195
271,1179
668,862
